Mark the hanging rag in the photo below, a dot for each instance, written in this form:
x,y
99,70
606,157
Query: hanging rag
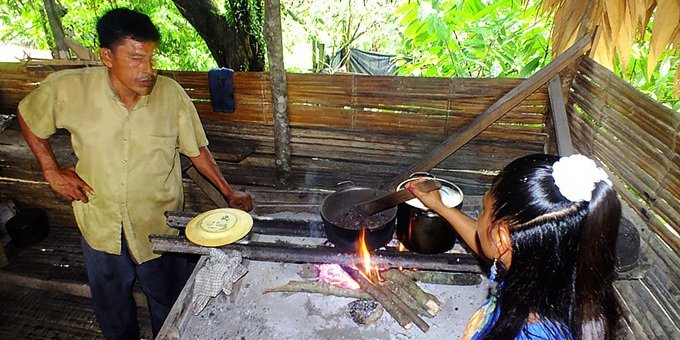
x,y
219,273
220,81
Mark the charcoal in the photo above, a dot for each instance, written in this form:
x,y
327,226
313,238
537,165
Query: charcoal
x,y
365,311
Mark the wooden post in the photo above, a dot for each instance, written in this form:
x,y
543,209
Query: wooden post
x,y
559,117
54,18
497,110
277,82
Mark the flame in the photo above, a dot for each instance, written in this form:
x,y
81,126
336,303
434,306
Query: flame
x,y
401,247
367,268
334,275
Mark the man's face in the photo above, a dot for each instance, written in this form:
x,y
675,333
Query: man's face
x,y
130,64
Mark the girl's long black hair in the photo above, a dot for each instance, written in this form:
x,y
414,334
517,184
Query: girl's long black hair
x,y
562,252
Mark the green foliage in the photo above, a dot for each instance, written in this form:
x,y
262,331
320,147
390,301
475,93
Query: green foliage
x,y
472,38
181,48
659,84
369,25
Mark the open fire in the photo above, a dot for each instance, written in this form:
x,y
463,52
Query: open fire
x,y
394,296
335,275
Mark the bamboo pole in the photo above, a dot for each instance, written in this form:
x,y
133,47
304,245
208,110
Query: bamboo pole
x,y
497,110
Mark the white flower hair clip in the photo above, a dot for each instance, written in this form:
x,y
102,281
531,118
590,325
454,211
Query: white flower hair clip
x,y
575,177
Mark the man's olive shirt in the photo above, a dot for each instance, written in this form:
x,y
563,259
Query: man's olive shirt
x,y
130,159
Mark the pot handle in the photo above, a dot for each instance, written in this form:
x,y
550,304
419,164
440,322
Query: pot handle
x,y
421,174
345,184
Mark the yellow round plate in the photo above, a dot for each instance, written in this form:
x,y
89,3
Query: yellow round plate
x,y
219,227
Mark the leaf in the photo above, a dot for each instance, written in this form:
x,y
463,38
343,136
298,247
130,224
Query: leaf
x,y
530,67
666,22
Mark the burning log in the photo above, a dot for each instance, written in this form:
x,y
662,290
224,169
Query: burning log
x,y
401,312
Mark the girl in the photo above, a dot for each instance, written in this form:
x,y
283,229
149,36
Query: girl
x,y
549,225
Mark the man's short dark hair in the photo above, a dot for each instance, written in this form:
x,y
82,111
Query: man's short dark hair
x,y
121,23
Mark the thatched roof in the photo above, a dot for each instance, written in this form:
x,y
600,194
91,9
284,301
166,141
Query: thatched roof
x,y
620,22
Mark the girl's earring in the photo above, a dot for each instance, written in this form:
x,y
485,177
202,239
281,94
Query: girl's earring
x,y
493,272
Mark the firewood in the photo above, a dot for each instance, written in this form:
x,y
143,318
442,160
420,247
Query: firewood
x,y
317,287
445,278
429,301
408,299
401,312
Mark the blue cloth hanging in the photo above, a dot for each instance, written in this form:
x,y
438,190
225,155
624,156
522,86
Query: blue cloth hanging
x,y
221,85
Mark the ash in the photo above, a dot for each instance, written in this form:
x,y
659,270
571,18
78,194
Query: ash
x,y
254,315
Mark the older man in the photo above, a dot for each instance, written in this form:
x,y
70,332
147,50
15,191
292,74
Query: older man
x,y
127,127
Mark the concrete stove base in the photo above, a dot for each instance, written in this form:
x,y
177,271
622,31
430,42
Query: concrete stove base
x,y
254,315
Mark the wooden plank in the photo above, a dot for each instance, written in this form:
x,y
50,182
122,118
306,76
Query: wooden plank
x,y
207,187
71,288
559,117
495,111
178,317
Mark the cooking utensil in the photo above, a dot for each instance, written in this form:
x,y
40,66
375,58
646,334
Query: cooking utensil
x,y
424,231
345,239
392,199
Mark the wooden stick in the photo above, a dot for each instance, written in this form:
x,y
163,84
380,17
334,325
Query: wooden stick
x,y
387,301
445,278
430,302
390,302
381,203
318,287
403,294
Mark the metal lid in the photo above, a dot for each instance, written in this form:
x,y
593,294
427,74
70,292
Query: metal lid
x,y
450,193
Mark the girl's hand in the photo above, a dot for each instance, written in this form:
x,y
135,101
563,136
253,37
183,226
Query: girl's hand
x,y
431,199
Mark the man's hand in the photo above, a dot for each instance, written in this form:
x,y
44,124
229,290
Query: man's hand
x,y
240,200
68,184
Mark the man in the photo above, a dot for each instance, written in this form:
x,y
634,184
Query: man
x,y
127,126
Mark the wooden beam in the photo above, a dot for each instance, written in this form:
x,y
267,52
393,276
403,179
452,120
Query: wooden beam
x,y
280,252
497,110
278,85
71,288
207,187
559,117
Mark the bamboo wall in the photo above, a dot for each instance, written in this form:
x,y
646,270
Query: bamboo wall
x,y
636,138
343,127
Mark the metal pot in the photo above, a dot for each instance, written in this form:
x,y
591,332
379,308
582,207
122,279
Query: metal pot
x,y
28,227
345,238
424,231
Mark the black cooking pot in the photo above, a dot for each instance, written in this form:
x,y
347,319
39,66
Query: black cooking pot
x,y
424,231
379,227
28,227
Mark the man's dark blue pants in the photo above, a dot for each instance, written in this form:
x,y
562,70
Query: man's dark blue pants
x,y
111,279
